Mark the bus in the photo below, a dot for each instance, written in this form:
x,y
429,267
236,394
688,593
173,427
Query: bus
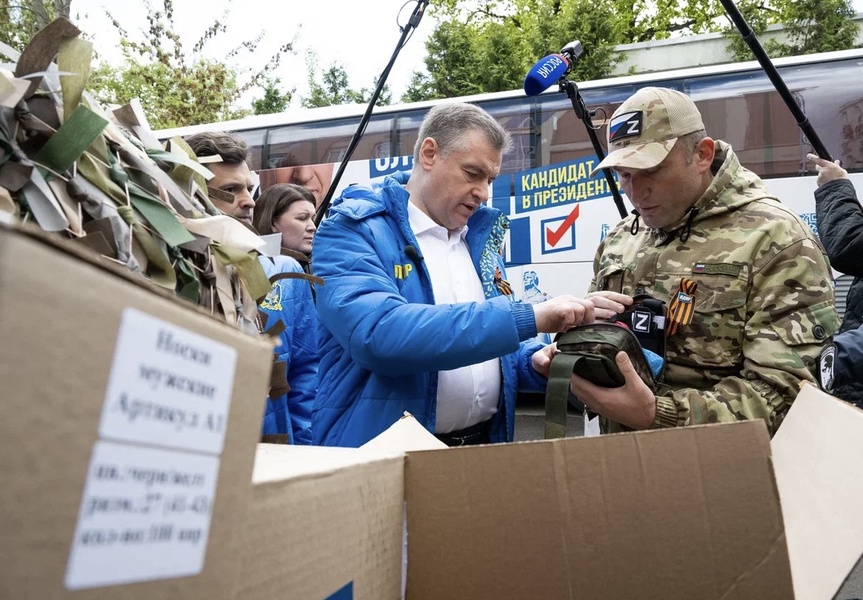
x,y
558,214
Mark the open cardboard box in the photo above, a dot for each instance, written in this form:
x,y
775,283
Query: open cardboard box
x,y
707,512
130,420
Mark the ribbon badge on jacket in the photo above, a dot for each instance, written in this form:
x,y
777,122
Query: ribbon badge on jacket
x,y
682,306
501,283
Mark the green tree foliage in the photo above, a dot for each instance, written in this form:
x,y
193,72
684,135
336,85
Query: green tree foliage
x,y
175,85
273,101
811,26
21,19
488,45
333,88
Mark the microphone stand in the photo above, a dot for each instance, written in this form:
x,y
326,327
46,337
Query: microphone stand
x,y
355,140
583,113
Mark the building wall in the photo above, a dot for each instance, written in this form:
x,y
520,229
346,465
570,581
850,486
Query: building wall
x,y
691,51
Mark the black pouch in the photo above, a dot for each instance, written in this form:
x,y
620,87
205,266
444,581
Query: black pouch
x,y
589,351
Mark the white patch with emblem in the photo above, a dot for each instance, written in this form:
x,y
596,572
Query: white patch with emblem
x,y
825,364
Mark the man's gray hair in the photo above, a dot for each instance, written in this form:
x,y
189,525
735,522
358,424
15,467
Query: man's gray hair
x,y
447,124
688,143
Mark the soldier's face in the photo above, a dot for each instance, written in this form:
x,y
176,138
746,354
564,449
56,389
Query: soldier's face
x,y
662,194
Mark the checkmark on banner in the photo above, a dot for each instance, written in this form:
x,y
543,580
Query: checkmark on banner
x,y
553,236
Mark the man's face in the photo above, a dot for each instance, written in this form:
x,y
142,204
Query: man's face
x,y
237,180
315,178
663,194
457,183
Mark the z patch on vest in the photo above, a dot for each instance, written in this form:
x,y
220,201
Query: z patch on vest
x,y
625,126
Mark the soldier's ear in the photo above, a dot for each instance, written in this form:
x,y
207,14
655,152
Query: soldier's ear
x,y
705,150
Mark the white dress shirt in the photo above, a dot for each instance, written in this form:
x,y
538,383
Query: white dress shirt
x,y
468,395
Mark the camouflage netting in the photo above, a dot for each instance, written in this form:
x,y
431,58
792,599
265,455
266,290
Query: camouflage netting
x,y
102,179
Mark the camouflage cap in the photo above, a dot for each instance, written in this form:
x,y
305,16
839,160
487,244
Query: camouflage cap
x,y
644,129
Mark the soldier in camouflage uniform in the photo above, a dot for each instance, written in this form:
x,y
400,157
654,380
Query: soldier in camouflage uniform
x,y
748,286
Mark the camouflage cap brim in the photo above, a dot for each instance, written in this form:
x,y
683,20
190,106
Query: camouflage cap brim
x,y
637,156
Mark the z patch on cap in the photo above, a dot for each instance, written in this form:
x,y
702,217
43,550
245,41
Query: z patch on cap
x,y
625,126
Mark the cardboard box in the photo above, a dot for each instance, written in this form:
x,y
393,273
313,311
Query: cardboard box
x,y
709,512
327,523
130,420
677,514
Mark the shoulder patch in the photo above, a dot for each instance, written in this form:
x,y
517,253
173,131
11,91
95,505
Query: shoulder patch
x,y
825,368
716,269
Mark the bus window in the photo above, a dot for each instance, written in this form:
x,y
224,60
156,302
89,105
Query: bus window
x,y
406,127
514,116
255,139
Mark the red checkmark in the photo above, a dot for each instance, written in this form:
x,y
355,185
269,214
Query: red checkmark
x,y
553,236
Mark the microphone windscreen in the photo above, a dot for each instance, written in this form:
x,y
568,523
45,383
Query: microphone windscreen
x,y
545,73
412,253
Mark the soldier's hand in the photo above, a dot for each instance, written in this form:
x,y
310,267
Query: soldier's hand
x,y
541,359
562,313
827,171
633,404
608,304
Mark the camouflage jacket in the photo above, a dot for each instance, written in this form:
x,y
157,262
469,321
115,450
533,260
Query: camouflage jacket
x,y
763,306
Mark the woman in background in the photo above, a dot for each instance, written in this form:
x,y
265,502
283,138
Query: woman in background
x,y
288,209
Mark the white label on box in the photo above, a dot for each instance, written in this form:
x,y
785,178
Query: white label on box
x,y
145,515
168,386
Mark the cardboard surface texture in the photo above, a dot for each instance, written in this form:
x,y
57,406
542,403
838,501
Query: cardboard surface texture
x,y
324,520
688,513
817,457
129,427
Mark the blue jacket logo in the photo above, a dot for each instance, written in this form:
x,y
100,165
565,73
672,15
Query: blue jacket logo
x,y
402,271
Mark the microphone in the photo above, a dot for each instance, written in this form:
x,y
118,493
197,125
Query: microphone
x,y
545,73
412,254
552,68
573,51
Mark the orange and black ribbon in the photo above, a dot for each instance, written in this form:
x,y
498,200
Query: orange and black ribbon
x,y
682,306
501,283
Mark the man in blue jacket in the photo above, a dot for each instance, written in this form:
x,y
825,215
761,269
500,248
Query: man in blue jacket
x,y
416,314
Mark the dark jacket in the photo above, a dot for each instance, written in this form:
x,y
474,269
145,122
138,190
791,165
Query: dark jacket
x,y
840,227
842,367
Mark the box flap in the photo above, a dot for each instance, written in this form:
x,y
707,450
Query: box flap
x,y
96,417
324,523
817,457
275,462
675,514
404,435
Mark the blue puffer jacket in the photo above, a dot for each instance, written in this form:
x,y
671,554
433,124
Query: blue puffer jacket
x,y
290,301
382,338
